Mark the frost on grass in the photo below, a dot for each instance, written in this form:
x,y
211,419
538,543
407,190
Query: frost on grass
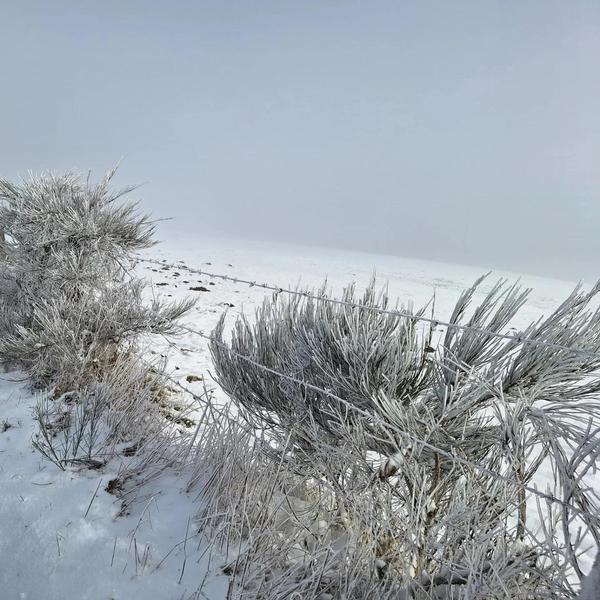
x,y
448,518
88,426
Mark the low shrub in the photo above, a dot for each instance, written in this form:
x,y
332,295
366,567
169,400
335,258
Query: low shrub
x,y
405,413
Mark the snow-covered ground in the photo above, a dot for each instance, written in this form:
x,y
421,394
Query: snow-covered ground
x,y
62,536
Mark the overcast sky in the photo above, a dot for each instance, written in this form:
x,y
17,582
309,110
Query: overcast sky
x,y
459,131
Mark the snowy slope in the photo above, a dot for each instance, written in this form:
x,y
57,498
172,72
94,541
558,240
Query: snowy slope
x,y
51,550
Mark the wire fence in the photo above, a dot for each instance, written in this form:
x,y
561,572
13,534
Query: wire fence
x,y
588,516
520,339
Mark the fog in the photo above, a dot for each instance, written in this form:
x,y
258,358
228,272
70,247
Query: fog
x,y
466,132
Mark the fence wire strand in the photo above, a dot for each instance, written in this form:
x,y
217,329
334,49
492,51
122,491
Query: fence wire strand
x,y
449,455
395,313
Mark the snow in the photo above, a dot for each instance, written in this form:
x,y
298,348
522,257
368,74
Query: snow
x,y
51,549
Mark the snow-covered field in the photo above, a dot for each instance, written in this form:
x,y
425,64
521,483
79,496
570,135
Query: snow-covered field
x,y
62,535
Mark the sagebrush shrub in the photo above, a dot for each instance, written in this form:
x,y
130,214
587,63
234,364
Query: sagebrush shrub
x,y
70,302
508,405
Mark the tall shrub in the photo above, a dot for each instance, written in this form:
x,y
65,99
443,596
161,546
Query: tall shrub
x,y
70,302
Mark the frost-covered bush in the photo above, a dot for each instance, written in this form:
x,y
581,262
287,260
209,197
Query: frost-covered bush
x,y
69,302
509,406
275,529
353,354
287,535
69,342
